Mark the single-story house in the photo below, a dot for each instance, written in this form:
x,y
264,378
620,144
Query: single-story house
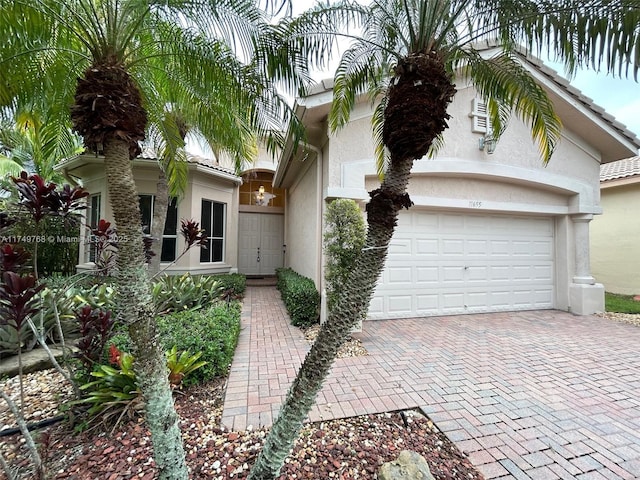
x,y
491,229
615,250
243,215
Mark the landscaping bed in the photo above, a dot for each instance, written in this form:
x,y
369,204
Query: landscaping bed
x,y
352,448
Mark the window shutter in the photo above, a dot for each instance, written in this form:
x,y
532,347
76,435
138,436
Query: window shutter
x,y
479,118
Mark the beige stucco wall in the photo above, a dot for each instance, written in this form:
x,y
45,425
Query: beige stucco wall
x,y
512,180
615,249
201,185
301,223
573,158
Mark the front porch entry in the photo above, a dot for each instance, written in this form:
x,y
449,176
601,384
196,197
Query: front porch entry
x,y
260,243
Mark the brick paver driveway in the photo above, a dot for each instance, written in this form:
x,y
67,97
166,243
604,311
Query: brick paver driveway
x,y
528,395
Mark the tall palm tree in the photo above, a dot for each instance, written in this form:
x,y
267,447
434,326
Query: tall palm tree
x,y
122,57
406,59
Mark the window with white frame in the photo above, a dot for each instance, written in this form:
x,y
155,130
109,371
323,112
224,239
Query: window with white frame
x,y
170,233
212,221
93,217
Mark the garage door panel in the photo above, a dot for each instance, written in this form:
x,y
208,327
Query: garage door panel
x,y
499,248
499,273
427,275
543,273
401,246
426,247
452,247
399,304
543,298
444,263
543,249
427,304
452,276
400,275
477,247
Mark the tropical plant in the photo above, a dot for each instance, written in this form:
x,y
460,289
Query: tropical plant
x,y
181,365
173,293
95,327
41,199
18,301
114,392
28,141
135,61
406,59
344,237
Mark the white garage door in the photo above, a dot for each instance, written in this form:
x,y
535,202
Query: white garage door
x,y
447,264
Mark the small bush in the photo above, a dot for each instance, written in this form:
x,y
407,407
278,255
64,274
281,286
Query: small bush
x,y
300,296
232,285
213,331
344,237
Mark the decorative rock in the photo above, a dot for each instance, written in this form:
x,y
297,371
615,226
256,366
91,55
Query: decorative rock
x,y
408,466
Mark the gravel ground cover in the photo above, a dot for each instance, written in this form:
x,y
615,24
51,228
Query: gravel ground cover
x,y
352,448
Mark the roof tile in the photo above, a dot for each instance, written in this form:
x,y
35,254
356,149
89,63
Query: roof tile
x,y
627,167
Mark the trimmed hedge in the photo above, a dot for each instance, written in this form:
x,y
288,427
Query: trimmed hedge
x,y
214,331
300,296
232,285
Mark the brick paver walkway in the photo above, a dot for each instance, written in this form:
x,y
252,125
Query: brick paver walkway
x,y
529,395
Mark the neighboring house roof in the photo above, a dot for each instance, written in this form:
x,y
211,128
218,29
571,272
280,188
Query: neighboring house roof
x,y
625,168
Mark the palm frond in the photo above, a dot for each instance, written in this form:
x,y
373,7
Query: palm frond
x,y
381,153
510,88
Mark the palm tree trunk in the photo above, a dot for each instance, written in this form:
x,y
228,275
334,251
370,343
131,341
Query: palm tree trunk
x,y
160,208
137,313
382,213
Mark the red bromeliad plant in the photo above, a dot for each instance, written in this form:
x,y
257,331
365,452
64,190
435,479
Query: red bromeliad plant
x,y
103,238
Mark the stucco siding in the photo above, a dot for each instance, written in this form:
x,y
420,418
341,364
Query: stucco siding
x,y
615,249
201,184
301,229
573,158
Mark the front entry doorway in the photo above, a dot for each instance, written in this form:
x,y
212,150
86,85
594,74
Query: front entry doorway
x,y
261,238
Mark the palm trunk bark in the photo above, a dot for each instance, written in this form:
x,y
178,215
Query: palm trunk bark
x,y
160,208
137,313
382,213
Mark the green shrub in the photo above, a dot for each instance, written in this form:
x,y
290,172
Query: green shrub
x,y
185,292
344,238
300,296
232,285
57,255
54,303
213,331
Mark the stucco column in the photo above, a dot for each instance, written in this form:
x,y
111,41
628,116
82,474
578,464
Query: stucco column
x,y
582,273
585,295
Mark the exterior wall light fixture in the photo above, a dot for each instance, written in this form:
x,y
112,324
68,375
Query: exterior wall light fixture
x,y
487,142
